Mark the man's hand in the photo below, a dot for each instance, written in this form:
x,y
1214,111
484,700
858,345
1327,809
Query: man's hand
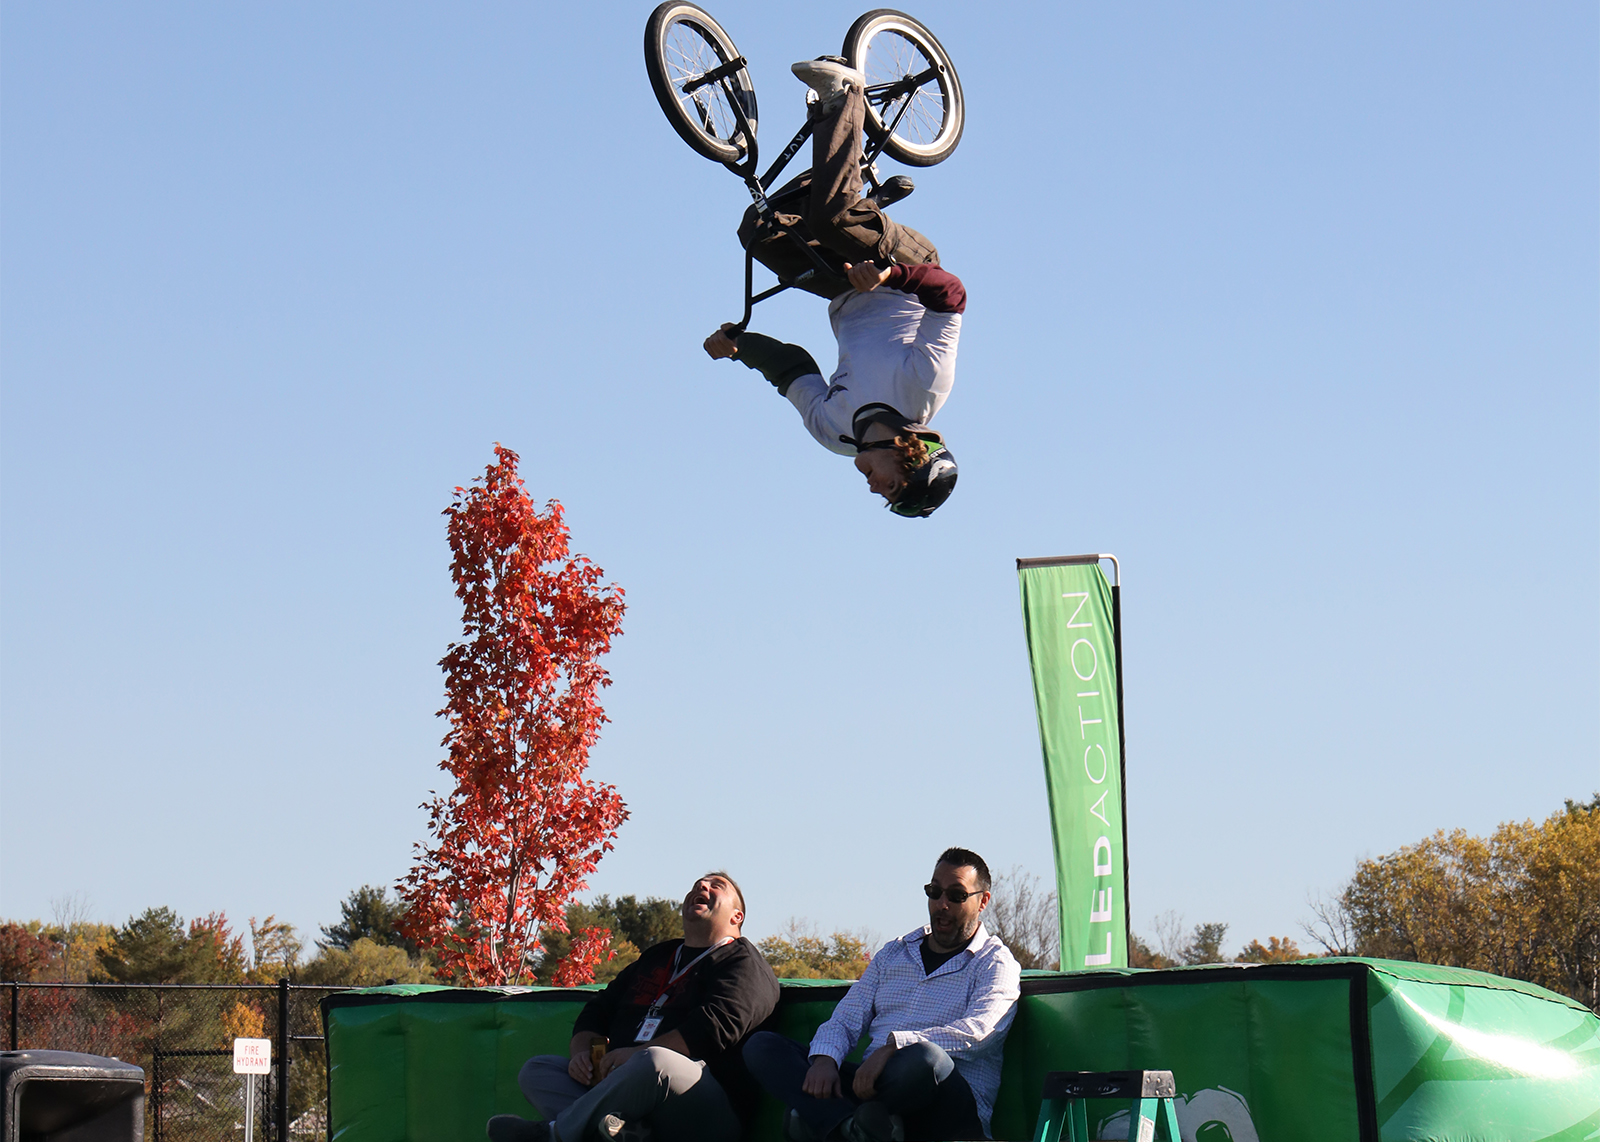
x,y
720,345
866,1083
866,276
615,1059
822,1080
579,1066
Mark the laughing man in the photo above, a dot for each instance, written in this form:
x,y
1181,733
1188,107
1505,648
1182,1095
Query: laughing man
x,y
670,1026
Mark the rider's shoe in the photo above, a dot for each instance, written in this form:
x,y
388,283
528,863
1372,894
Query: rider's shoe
x,y
894,188
830,77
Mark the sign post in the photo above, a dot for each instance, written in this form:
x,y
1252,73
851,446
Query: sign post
x,y
251,1057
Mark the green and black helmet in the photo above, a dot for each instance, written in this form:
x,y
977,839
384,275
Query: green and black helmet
x,y
930,485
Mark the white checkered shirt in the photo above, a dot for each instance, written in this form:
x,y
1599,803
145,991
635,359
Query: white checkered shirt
x,y
965,1008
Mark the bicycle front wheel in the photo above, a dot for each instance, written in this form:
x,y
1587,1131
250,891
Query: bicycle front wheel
x,y
681,44
891,48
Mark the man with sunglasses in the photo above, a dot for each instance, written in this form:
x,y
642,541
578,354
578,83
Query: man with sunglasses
x,y
895,312
936,1005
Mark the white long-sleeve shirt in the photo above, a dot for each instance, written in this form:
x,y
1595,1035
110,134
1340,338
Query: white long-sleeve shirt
x,y
897,348
965,1008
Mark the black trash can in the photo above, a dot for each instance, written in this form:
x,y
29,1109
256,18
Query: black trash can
x,y
62,1096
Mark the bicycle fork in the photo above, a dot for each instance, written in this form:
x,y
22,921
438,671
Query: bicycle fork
x,y
758,194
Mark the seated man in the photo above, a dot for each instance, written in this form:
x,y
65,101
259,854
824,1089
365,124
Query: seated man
x,y
674,1020
936,1005
895,314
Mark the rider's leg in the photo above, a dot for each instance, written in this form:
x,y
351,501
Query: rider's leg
x,y
856,228
775,244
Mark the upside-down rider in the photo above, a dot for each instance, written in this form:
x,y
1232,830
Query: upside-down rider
x,y
895,312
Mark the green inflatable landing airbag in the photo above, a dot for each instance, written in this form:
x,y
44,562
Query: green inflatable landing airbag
x,y
1319,1051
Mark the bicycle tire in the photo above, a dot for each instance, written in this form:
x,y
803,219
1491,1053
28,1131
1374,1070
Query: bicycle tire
x,y
931,128
682,41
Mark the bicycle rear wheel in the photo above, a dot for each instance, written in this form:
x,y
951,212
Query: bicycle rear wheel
x,y
890,47
682,43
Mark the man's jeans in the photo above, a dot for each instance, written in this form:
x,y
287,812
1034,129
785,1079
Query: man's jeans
x,y
673,1093
919,1083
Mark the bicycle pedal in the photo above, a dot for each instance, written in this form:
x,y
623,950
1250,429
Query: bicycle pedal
x,y
894,188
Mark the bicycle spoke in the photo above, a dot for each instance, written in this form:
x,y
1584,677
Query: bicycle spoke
x,y
915,112
893,57
701,82
688,56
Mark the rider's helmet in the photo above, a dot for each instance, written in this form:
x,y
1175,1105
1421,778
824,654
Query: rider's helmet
x,y
930,485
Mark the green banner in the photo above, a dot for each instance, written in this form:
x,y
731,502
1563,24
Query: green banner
x,y
1067,613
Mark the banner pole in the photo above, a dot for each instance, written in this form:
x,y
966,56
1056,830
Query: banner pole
x,y
1122,747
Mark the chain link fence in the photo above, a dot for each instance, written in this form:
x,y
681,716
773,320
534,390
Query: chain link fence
x,y
182,1035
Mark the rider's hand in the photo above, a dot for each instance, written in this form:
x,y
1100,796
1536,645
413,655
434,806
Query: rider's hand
x,y
720,345
865,276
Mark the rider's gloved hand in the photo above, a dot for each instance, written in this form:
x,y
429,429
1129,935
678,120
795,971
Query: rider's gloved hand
x,y
865,276
720,345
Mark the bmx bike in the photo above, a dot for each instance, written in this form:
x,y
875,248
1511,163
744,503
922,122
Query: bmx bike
x,y
914,111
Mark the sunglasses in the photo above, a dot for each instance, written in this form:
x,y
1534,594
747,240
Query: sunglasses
x,y
955,893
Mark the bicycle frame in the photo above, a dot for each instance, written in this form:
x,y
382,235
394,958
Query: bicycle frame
x,y
884,93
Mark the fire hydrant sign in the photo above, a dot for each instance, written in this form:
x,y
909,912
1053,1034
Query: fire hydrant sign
x,y
252,1056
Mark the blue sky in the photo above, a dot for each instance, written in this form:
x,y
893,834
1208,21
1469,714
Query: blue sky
x,y
1293,308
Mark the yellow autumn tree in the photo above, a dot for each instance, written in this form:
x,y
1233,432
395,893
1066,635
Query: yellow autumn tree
x,y
1275,951
244,1021
1523,902
800,953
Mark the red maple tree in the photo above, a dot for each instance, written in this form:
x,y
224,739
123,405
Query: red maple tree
x,y
23,954
516,837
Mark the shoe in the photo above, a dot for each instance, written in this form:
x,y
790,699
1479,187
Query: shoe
x,y
613,1129
894,188
797,1129
872,1122
510,1128
830,77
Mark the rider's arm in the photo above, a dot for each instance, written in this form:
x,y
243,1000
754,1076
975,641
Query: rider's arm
x,y
794,373
776,360
936,288
932,357
827,420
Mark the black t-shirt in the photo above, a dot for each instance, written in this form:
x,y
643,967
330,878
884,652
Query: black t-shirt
x,y
931,960
715,1005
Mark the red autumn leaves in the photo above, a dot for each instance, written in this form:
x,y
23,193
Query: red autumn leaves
x,y
521,829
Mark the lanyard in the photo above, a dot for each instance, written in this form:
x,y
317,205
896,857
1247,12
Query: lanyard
x,y
678,973
651,1023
